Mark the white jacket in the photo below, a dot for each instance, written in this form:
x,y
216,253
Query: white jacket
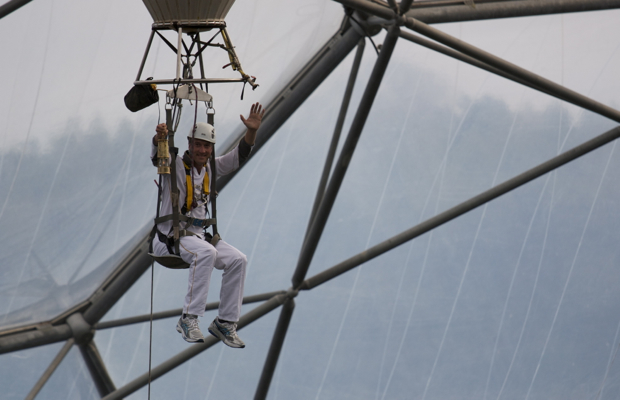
x,y
224,165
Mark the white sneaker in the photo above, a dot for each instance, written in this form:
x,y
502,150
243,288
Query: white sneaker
x,y
188,328
226,332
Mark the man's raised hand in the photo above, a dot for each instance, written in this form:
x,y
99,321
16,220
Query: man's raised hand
x,y
254,119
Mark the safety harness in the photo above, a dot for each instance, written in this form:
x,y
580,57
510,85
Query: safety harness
x,y
189,196
171,240
187,206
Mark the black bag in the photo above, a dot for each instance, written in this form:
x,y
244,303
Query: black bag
x,y
141,96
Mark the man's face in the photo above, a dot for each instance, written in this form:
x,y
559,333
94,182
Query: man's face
x,y
200,150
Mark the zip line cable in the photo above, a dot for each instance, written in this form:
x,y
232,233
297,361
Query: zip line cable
x,y
151,328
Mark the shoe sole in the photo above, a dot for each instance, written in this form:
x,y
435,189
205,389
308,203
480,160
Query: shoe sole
x,y
220,336
188,340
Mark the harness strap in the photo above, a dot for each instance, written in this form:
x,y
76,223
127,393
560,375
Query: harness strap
x,y
152,234
169,241
174,189
189,195
216,235
197,222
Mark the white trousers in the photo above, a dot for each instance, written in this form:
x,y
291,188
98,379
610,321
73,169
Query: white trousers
x,y
202,257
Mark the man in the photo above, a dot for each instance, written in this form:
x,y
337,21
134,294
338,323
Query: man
x,y
193,169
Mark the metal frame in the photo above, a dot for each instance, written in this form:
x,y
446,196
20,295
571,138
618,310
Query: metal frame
x,y
340,169
11,6
462,208
337,130
50,369
79,325
507,9
184,68
274,350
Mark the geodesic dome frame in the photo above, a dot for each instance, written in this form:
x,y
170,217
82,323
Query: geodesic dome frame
x,y
77,325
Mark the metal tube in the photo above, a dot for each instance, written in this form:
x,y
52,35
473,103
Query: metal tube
x,y
97,368
443,3
512,69
179,51
470,60
337,130
194,350
523,8
38,337
174,81
461,209
274,350
146,54
393,6
50,370
202,65
340,169
405,5
369,7
175,313
508,9
490,59
174,188
11,6
130,268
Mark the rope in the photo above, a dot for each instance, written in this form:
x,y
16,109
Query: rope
x,y
176,106
158,113
191,156
151,328
352,18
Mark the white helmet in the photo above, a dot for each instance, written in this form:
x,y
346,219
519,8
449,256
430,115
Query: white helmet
x,y
204,131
